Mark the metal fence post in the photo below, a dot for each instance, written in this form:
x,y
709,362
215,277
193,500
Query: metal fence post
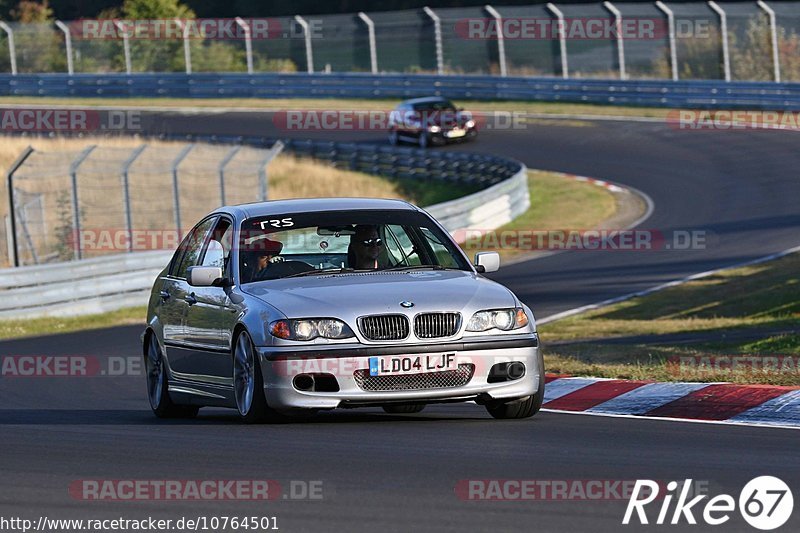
x,y
187,51
272,153
126,45
373,51
222,164
126,195
437,35
309,48
176,192
723,29
673,49
248,43
562,38
620,41
12,49
13,256
773,30
76,214
501,42
68,42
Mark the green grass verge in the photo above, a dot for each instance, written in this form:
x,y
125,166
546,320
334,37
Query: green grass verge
x,y
11,329
554,108
557,203
749,312
426,193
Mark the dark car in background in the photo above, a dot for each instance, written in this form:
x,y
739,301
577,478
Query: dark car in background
x,y
431,120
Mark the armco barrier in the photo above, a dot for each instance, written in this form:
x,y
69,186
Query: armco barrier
x,y
106,283
656,93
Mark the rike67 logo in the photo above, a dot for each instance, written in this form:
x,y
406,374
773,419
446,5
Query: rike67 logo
x,y
765,503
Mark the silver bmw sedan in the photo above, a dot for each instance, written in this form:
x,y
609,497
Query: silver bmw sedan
x,y
288,307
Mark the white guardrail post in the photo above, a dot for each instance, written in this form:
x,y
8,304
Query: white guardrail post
x,y
248,43
12,49
773,30
620,40
723,30
68,44
562,38
187,51
373,49
501,42
437,36
126,44
309,48
673,48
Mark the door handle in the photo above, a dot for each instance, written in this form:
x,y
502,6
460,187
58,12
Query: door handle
x,y
165,295
191,300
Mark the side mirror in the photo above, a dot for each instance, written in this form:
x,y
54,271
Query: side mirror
x,y
204,276
487,262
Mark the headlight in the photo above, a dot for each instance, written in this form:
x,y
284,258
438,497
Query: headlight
x,y
504,319
469,124
434,129
307,329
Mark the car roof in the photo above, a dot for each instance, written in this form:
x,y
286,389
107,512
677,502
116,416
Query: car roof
x,y
302,205
427,100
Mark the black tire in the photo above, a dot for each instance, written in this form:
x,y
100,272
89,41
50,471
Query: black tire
x,y
250,399
521,407
157,376
404,408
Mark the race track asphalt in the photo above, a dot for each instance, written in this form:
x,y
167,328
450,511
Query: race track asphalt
x,y
383,472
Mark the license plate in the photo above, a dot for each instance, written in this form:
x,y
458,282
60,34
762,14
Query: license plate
x,y
456,133
396,365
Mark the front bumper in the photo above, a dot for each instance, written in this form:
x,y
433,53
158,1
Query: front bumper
x,y
281,365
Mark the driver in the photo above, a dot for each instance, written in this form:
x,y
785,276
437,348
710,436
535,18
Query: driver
x,y
266,253
367,247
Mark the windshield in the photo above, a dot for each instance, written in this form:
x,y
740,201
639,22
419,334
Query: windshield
x,y
437,105
280,246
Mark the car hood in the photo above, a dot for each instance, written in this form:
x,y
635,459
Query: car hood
x,y
348,296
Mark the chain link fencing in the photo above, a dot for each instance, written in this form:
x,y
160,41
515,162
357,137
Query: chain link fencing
x,y
463,40
109,200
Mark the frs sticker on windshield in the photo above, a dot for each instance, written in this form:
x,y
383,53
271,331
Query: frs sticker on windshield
x,y
277,223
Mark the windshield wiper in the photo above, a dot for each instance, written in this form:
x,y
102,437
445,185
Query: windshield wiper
x,y
414,267
315,272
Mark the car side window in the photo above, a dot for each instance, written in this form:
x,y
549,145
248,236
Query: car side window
x,y
192,246
218,249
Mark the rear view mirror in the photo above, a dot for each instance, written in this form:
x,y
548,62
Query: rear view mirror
x,y
204,276
487,262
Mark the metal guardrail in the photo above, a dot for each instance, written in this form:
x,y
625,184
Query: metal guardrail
x,y
688,94
106,283
657,93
